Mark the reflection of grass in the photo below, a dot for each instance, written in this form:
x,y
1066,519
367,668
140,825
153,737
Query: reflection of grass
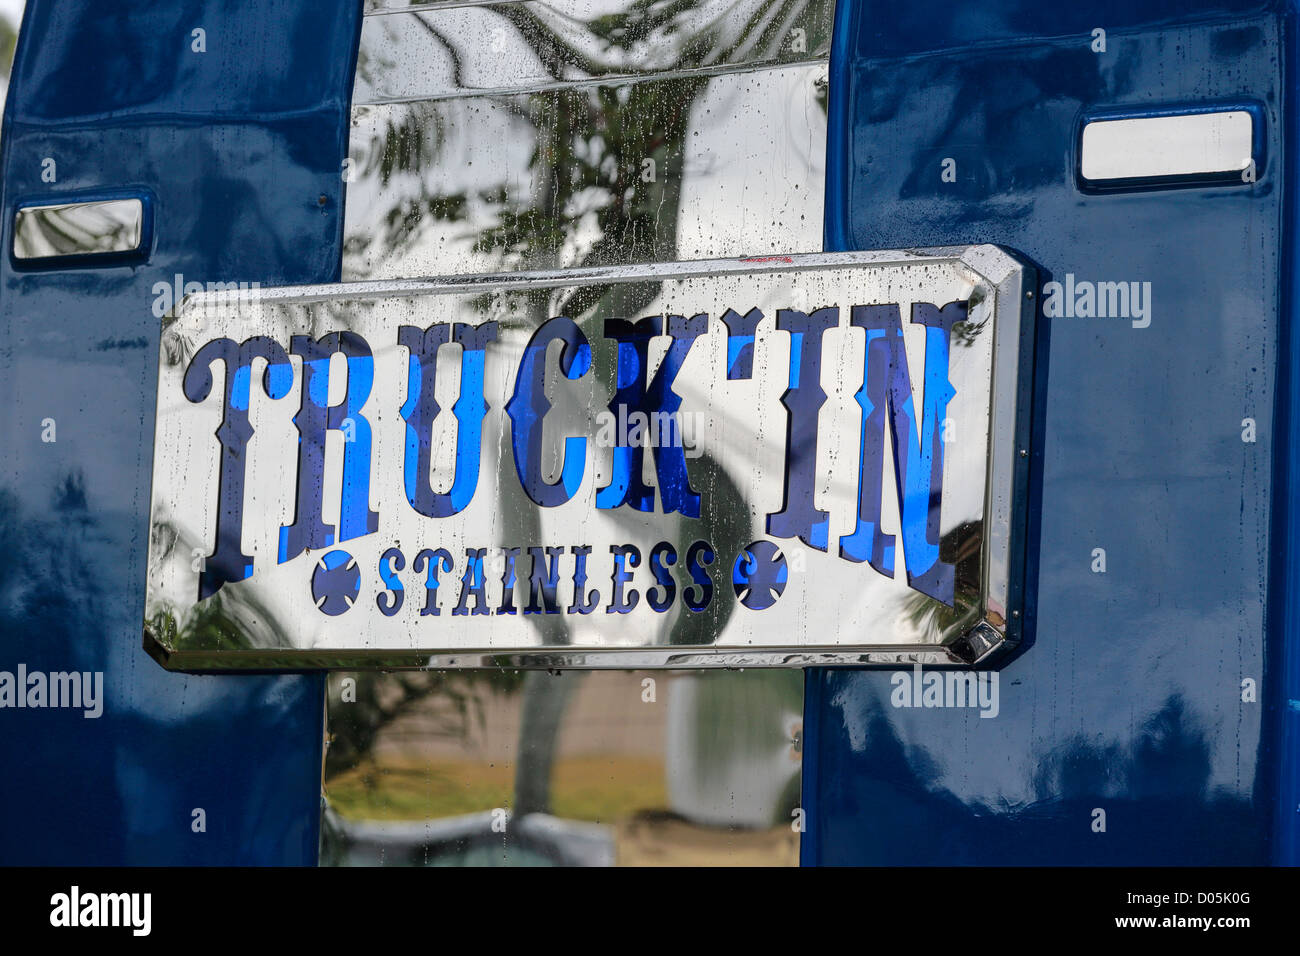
x,y
419,791
595,788
607,788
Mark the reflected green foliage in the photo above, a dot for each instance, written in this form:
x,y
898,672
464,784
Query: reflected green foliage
x,y
961,548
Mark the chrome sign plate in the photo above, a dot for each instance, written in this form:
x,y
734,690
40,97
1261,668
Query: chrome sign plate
x,y
785,461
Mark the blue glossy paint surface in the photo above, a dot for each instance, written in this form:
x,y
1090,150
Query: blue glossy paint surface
x,y
1127,697
1285,687
241,146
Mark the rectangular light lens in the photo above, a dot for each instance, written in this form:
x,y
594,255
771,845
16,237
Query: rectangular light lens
x,y
1167,147
76,229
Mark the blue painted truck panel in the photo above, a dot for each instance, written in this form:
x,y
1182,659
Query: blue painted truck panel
x,y
1128,696
240,146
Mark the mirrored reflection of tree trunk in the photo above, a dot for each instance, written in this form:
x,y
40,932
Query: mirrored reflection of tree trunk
x,y
602,135
546,697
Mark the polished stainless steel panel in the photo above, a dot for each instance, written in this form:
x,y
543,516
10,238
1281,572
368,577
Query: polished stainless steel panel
x,y
644,171
459,49
593,769
599,134
225,591
78,228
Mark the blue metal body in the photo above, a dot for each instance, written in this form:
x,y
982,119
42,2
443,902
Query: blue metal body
x,y
241,147
1128,694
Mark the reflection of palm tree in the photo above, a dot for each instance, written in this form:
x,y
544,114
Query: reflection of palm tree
x,y
1157,776
221,622
591,142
